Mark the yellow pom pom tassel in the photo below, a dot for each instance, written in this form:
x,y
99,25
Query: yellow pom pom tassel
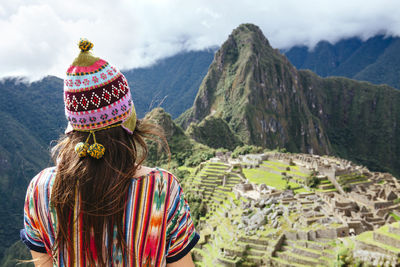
x,y
85,45
96,150
81,149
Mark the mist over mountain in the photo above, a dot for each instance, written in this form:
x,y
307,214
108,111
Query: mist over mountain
x,y
376,60
267,102
171,83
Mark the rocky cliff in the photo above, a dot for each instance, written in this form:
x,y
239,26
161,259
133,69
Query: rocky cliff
x,y
267,102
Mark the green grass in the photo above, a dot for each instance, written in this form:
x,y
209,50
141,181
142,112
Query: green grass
x,y
189,169
283,262
396,217
309,249
367,237
385,230
280,164
325,190
209,253
259,176
302,257
218,163
281,167
301,190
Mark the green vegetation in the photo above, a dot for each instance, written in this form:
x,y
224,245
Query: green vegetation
x,y
15,255
279,167
184,151
301,190
190,170
312,181
221,216
213,132
350,178
345,258
260,176
395,216
198,208
368,238
246,149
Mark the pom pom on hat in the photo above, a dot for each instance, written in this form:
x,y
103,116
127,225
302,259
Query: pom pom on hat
x,y
85,45
85,57
96,151
81,149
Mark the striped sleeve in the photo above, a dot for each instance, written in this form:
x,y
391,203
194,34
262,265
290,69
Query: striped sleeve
x,y
181,235
30,235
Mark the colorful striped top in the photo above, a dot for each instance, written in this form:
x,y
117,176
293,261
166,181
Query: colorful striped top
x,y
158,226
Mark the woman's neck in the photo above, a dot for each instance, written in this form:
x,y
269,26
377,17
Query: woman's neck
x,y
142,171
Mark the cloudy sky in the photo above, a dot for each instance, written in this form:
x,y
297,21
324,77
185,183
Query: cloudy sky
x,y
39,38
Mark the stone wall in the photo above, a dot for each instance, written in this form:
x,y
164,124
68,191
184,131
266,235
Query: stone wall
x,y
357,226
278,245
394,242
227,262
336,184
382,204
314,235
369,247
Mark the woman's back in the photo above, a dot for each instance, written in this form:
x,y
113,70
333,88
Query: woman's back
x,y
157,222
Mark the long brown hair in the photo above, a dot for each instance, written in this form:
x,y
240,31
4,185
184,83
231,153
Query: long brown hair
x,y
102,186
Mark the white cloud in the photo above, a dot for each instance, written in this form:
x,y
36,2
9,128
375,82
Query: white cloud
x,y
39,36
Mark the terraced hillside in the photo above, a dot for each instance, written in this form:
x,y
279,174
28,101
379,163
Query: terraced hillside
x,y
213,183
260,211
382,245
305,253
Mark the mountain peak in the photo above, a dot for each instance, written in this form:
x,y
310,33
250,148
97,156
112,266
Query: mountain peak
x,y
249,32
244,67
248,80
244,41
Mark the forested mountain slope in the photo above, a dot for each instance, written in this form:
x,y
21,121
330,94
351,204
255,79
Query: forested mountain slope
x,y
267,102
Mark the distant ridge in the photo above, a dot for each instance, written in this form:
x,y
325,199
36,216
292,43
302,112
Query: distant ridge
x,y
31,116
172,83
376,60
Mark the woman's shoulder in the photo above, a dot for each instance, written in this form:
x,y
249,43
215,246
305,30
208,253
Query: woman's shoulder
x,y
40,187
158,174
44,178
144,172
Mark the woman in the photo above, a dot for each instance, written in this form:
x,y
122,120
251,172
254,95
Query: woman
x,y
99,206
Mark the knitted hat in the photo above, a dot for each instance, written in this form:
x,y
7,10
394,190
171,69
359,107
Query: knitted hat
x,y
96,94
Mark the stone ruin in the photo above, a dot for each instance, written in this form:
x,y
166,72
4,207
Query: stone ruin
x,y
353,200
366,207
372,198
254,192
